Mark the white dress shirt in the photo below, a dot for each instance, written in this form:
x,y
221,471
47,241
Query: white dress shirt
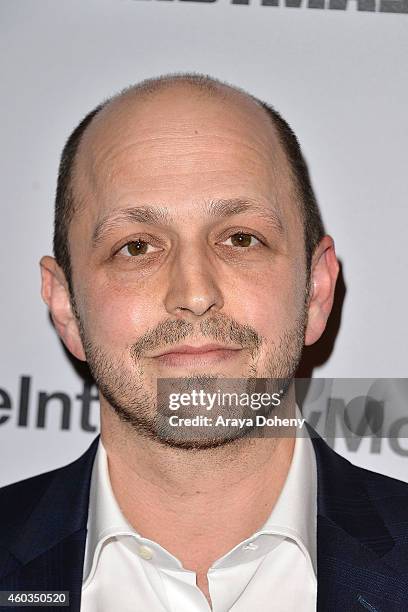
x,y
273,570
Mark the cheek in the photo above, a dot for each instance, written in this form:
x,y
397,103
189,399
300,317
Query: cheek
x,y
267,303
117,318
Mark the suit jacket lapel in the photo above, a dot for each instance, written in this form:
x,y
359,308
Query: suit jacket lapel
x,y
45,545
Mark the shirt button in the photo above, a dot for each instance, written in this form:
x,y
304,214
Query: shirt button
x,y
250,546
145,552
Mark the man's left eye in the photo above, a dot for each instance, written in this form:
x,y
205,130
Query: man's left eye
x,y
240,239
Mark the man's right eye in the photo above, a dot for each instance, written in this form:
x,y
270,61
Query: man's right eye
x,y
135,248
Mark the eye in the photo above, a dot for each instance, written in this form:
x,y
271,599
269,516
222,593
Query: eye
x,y
136,248
241,239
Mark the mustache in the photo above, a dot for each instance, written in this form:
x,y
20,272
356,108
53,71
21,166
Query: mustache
x,y
219,328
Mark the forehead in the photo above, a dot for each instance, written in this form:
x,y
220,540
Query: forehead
x,y
181,147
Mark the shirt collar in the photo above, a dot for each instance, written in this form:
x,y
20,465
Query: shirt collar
x,y
293,516
295,512
105,517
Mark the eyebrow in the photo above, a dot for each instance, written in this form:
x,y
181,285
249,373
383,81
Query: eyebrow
x,y
153,215
159,215
228,208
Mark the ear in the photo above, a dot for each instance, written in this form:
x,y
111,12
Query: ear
x,y
55,293
324,272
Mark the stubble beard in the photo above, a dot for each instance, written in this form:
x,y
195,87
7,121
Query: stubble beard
x,y
129,397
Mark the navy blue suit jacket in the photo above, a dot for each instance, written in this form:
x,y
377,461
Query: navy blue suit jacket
x,y
362,535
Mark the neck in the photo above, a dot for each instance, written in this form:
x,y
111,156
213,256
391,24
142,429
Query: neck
x,y
184,499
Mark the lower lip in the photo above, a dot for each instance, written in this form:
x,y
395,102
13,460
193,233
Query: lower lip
x,y
194,359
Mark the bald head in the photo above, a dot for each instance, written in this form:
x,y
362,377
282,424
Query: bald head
x,y
186,135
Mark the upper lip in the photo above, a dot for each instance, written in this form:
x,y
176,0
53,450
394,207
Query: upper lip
x,y
204,348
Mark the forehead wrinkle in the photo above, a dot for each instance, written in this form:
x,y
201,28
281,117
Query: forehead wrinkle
x,y
108,154
107,137
116,158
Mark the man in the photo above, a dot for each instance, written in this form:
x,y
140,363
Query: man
x,y
188,246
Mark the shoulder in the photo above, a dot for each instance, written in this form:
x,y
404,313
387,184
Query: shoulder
x,y
51,489
20,496
336,470
345,488
377,486
388,495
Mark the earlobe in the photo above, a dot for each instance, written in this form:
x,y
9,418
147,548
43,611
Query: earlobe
x,y
55,293
324,272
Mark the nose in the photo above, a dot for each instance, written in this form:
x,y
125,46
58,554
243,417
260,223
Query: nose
x,y
193,287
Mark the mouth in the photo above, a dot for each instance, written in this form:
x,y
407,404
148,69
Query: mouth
x,y
197,355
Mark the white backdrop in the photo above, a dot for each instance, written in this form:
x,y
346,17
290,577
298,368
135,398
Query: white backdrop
x,y
339,77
